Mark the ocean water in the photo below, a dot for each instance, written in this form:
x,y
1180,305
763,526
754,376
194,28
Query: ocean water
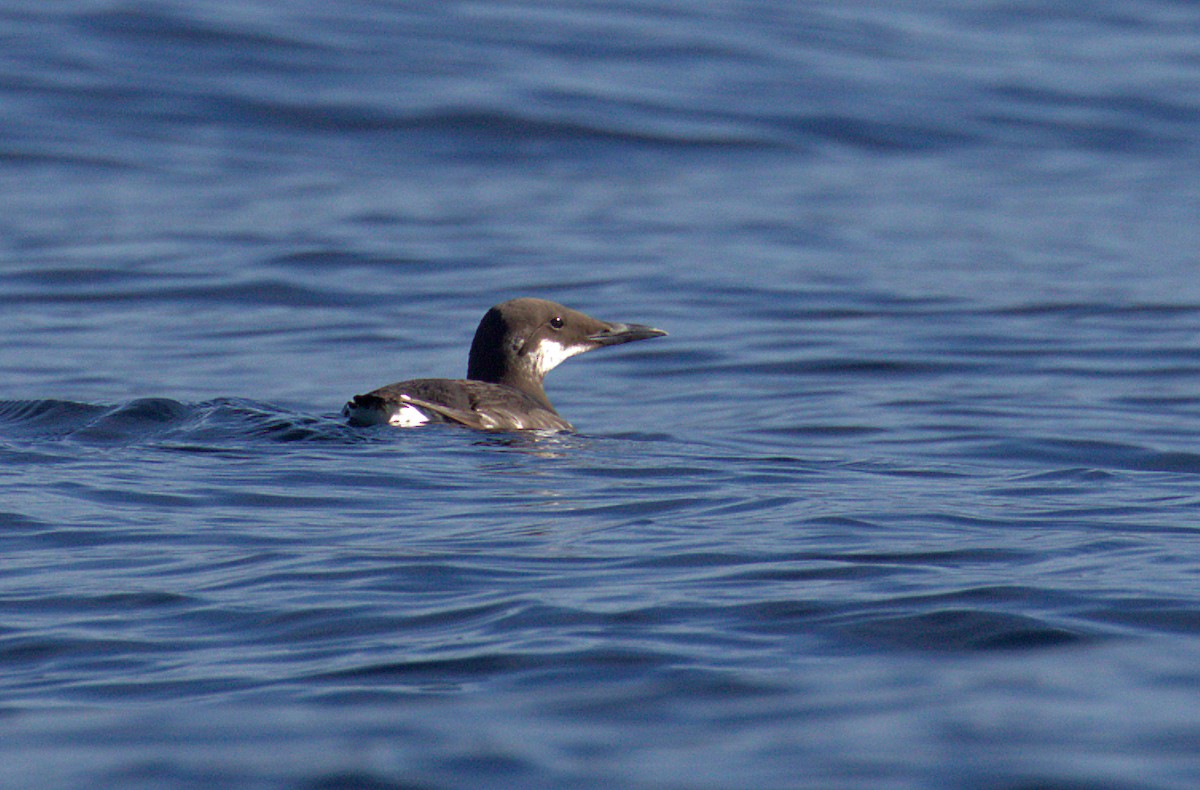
x,y
908,498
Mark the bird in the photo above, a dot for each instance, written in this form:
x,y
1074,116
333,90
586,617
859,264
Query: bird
x,y
516,344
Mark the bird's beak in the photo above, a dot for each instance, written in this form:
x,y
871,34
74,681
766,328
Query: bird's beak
x,y
615,334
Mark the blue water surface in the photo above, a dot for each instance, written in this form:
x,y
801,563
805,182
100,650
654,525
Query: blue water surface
x,y
908,498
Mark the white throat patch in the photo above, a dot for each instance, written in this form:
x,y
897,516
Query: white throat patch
x,y
550,353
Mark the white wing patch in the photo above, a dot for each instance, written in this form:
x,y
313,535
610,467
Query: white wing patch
x,y
550,353
407,417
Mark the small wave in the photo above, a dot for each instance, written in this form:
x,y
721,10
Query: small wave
x,y
847,366
1095,454
47,419
60,287
700,130
1085,309
1108,122
152,25
958,630
481,122
882,136
195,427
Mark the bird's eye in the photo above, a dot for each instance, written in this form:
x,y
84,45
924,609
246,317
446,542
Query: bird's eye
x,y
556,322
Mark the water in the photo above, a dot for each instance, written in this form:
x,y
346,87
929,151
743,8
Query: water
x,y
907,499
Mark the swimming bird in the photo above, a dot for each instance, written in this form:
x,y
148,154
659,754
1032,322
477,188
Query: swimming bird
x,y
517,343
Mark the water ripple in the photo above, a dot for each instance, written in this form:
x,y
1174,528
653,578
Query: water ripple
x,y
905,499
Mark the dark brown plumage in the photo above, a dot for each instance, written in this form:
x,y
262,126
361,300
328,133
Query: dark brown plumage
x,y
516,345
